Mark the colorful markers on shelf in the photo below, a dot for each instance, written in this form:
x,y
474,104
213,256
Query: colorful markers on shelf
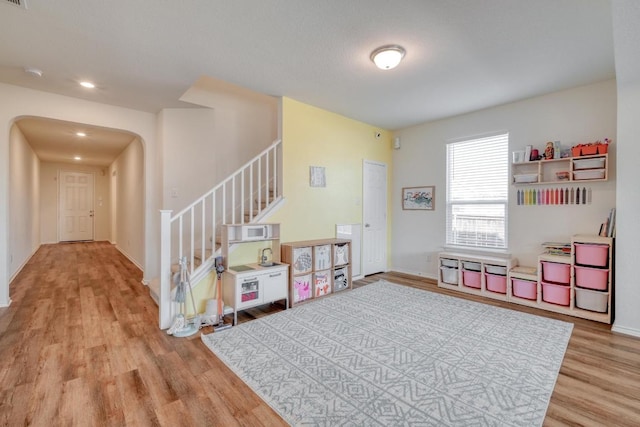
x,y
554,196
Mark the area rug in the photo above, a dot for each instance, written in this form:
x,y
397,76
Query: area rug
x,y
388,355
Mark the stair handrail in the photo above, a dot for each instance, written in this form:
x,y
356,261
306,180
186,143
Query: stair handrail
x,y
167,220
226,180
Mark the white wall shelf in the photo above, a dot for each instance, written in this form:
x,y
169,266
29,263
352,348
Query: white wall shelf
x,y
544,171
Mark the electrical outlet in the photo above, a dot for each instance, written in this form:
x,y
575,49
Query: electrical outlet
x,y
429,258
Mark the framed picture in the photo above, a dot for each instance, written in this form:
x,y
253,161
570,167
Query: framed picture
x,y
317,177
419,198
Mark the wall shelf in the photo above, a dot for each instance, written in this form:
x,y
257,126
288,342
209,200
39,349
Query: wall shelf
x,y
540,172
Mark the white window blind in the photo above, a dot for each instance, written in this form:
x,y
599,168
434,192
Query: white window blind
x,y
477,192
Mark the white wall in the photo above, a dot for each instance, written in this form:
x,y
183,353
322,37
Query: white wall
x,y
23,230
626,15
577,115
128,170
18,102
49,190
203,146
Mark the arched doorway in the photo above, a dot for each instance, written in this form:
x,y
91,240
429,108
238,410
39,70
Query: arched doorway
x,y
42,151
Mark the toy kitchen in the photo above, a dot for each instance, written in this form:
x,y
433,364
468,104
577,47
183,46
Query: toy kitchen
x,y
254,274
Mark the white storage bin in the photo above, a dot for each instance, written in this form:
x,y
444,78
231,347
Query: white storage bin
x,y
471,266
588,174
496,269
525,177
449,262
588,163
449,275
587,299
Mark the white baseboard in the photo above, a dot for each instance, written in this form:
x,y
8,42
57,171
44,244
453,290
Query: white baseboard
x,y
5,305
129,258
22,266
625,330
416,273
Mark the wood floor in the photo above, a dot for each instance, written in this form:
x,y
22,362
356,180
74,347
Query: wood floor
x,y
80,345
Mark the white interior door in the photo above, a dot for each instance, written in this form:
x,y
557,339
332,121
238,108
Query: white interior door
x,y
374,238
76,206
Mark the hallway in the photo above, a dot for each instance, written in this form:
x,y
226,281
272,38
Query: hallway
x,y
80,345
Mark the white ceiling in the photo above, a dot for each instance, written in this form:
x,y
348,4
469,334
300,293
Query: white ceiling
x,y
462,55
56,141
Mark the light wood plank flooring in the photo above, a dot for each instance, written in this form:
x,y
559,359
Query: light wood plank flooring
x,y
80,345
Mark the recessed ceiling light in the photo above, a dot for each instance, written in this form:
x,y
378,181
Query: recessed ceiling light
x,y
81,134
77,158
87,84
387,57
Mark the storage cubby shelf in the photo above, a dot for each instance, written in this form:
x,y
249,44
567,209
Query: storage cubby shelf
x,y
475,274
526,285
318,268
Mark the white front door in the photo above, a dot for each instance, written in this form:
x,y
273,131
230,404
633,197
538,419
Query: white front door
x,y
374,215
76,206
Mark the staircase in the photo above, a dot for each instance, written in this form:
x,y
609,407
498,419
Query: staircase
x,y
246,196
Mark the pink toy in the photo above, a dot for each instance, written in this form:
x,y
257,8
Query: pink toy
x,y
303,290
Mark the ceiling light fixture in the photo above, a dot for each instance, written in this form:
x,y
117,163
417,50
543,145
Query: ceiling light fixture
x,y
32,71
387,57
87,84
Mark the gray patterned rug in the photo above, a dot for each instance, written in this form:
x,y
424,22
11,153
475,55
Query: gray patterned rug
x,y
390,355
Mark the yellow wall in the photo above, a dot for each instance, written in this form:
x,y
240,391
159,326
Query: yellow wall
x,y
315,137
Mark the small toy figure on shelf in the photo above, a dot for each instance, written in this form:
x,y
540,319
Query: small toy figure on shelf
x,y
549,151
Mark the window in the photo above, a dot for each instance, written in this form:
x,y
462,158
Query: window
x,y
477,192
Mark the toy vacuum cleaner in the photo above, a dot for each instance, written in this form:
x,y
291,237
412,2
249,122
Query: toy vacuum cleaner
x,y
221,326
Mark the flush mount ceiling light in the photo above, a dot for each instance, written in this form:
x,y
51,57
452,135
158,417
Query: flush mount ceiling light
x,y
32,71
87,84
387,57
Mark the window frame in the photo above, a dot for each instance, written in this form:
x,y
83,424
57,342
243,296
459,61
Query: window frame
x,y
501,141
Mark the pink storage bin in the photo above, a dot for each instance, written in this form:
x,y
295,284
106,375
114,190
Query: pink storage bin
x,y
496,283
471,279
524,289
556,294
592,278
592,254
556,272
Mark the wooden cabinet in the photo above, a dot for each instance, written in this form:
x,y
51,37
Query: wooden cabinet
x,y
318,268
575,169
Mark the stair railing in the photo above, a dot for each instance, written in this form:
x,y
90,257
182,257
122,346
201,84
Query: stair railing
x,y
194,231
